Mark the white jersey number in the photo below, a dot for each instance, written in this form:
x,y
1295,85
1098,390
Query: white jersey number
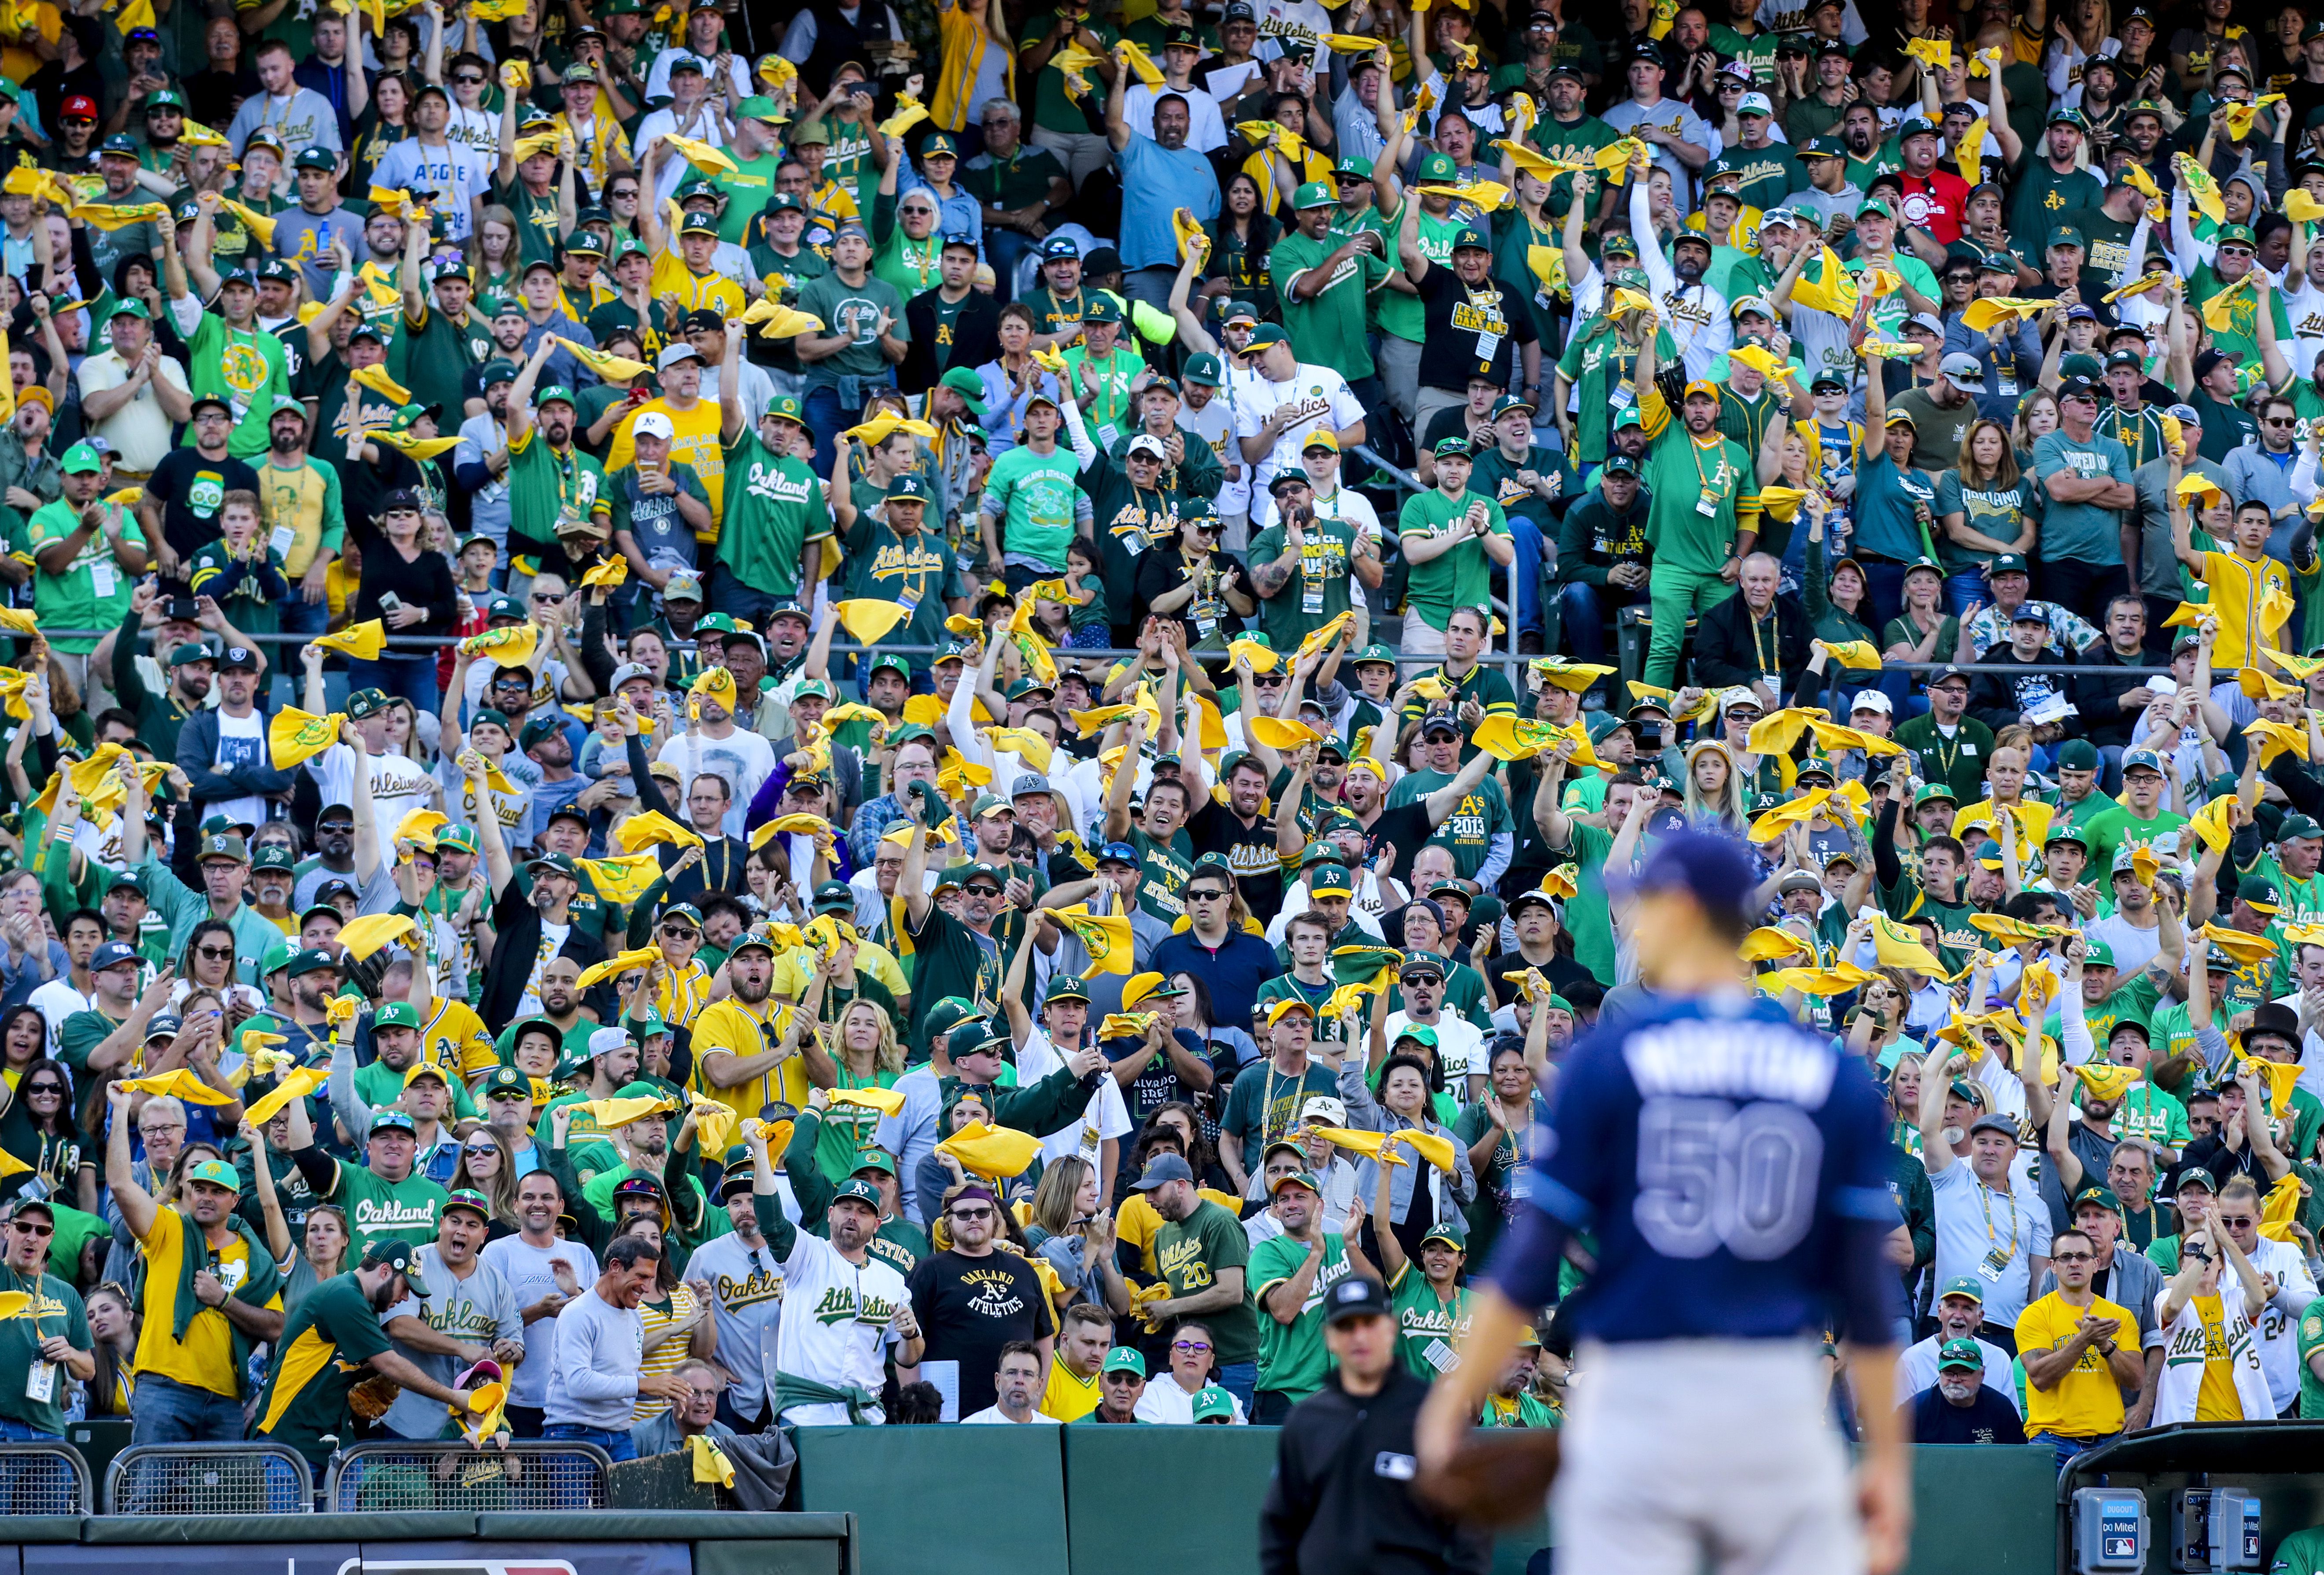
x,y
1711,1175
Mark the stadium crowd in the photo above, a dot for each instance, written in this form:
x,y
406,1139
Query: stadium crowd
x,y
718,724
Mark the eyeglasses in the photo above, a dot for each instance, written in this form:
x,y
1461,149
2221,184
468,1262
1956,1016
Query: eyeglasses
x,y
2237,1222
26,1228
2073,1257
1192,1347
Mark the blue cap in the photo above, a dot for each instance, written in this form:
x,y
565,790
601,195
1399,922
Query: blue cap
x,y
1119,852
112,954
1715,871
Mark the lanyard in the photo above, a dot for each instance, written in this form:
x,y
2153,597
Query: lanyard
x,y
1694,452
1984,1201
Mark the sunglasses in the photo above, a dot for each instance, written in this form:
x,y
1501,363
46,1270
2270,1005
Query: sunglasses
x,y
982,890
548,598
26,1228
468,80
1194,1347
480,1148
972,1214
1211,896
1121,1376
215,954
34,1091
2074,1257
678,931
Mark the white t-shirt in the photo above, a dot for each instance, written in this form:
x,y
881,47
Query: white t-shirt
x,y
456,172
1321,400
991,1415
1460,1048
139,430
57,1000
552,941
242,741
743,759
1166,1404
527,1270
839,1328
1106,1117
399,785
1206,128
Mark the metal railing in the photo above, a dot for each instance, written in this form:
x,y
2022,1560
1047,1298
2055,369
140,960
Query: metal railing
x,y
395,1475
45,1479
255,1478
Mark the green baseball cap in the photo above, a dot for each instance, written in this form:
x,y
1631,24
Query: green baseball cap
x,y
387,1252
216,1173
397,1014
1123,1359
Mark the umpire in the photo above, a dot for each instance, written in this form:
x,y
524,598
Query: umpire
x,y
1342,1499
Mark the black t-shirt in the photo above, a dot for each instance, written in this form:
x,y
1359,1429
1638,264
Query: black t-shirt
x,y
1158,1083
1403,828
192,491
1990,1419
1208,620
1249,849
1471,332
968,1308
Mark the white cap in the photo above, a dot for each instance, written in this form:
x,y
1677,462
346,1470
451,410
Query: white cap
x,y
1147,443
604,1041
1872,700
675,351
1324,1110
652,424
1753,104
1737,696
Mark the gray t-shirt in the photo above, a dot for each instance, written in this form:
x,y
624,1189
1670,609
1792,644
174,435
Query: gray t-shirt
x,y
477,1311
1978,1227
305,238
525,1268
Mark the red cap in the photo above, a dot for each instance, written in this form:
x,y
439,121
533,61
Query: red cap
x,y
80,106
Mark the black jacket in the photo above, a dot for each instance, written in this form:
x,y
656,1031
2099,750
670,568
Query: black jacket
x,y
975,339
1723,656
518,947
1999,699
2099,696
1342,1500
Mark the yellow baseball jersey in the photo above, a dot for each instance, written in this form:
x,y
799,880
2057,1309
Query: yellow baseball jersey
x,y
713,291
731,1026
454,1037
685,992
2238,589
204,1360
696,443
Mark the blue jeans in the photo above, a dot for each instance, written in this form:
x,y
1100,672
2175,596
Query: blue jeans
x,y
620,1446
1884,592
1581,621
730,595
2068,1448
828,412
168,1412
1525,573
1963,591
17,1432
1240,1379
1004,249
408,678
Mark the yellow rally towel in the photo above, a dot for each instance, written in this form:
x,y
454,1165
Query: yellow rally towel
x,y
613,967
1899,946
1510,738
2281,1207
106,216
613,1114
364,936
1188,229
997,1152
1969,157
1563,882
702,156
416,448
1126,1025
2211,823
420,826
184,1085
1279,734
1837,979
487,1415
295,1084
2107,1081
1768,944
375,378
364,642
708,1461
869,619
1432,1147
888,1101
1105,936
2015,931
1574,677
612,368
294,735
1774,823
1833,736
539,144
20,620
644,831
1143,63
1778,732
1321,639
2243,948
2219,312
512,646
1857,655
1984,313
1760,361
2299,666
787,323
2276,739
2279,1078
623,880
612,572
908,113
2241,115
1023,743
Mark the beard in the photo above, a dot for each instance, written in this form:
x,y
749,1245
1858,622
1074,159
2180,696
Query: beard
x,y
750,991
1688,269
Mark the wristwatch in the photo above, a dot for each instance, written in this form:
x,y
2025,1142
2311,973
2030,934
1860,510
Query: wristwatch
x,y
2108,1348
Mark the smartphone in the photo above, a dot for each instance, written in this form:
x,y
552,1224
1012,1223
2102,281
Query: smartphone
x,y
389,602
